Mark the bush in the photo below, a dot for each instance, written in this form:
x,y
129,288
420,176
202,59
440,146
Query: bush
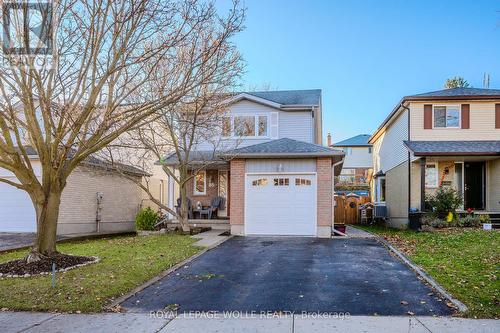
x,y
444,201
469,220
146,219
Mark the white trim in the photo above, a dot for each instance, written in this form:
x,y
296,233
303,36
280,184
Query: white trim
x,y
437,170
204,183
378,188
446,116
256,126
279,173
253,98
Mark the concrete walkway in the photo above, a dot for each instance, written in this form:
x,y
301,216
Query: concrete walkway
x,y
235,322
210,238
358,233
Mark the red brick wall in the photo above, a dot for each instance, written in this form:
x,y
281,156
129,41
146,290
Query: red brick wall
x,y
325,206
237,191
211,190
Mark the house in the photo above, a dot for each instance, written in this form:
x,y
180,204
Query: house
x,y
278,177
442,138
96,199
358,164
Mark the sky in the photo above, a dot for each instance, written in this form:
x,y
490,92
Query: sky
x,y
367,55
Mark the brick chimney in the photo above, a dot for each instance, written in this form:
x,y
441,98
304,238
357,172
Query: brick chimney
x,y
328,140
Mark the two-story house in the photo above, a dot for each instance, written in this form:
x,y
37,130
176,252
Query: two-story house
x,y
279,178
443,138
358,164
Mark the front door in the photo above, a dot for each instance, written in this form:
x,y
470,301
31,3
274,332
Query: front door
x,y
474,187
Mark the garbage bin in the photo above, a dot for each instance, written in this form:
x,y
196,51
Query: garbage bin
x,y
415,220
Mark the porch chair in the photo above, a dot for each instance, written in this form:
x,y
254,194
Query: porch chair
x,y
189,205
216,204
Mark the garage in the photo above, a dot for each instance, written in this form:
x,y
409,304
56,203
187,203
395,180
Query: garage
x,y
18,214
281,204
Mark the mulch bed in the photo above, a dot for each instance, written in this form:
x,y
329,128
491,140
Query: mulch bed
x,y
63,261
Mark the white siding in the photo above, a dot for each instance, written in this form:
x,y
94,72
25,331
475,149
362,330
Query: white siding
x,y
389,150
287,165
297,125
360,158
482,123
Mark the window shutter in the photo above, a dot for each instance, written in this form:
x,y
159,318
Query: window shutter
x,y
428,116
465,116
497,115
273,133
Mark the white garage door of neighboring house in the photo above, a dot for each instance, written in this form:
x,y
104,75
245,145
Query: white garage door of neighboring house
x,y
280,204
16,210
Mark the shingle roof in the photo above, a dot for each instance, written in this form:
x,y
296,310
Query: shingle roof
x,y
290,97
196,157
285,147
358,140
453,148
457,92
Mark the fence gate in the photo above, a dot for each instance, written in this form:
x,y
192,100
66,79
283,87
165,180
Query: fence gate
x,y
347,208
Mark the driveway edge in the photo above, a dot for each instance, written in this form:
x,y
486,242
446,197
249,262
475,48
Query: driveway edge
x,y
111,307
426,277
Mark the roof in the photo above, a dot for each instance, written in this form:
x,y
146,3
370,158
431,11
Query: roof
x,y
453,148
439,95
458,92
196,157
290,97
285,147
97,162
360,140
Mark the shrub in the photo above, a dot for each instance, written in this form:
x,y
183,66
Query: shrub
x,y
146,219
444,201
469,220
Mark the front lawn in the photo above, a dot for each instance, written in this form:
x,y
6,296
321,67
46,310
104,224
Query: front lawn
x,y
464,261
126,262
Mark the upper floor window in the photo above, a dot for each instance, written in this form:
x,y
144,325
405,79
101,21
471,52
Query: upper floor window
x,y
446,116
348,151
245,126
369,150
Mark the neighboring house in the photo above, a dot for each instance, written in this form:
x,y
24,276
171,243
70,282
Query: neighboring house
x,y
358,162
279,179
96,199
443,138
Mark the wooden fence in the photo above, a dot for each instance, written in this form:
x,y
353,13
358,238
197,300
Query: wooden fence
x,y
346,208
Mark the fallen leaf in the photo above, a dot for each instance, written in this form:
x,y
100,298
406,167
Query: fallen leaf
x,y
404,302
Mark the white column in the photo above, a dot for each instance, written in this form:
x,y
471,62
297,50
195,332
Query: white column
x,y
170,195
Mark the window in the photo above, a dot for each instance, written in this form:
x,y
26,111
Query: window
x,y
431,175
446,117
260,182
200,183
369,150
245,126
348,151
302,182
380,189
281,181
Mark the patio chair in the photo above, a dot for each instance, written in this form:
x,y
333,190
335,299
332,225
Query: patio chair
x,y
189,205
216,204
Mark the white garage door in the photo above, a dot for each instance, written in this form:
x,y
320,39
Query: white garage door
x,y
16,210
280,204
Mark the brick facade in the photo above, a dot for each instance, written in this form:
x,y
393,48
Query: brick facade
x,y
212,189
237,194
325,186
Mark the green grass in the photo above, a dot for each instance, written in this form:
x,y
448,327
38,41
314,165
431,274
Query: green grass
x,y
126,262
465,262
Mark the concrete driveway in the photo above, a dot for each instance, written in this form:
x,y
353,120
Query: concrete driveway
x,y
355,275
11,240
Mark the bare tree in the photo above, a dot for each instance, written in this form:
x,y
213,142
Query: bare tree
x,y
98,87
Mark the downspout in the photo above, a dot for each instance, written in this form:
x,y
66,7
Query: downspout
x,y
333,194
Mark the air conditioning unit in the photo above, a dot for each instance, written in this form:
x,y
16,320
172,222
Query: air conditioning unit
x,y
380,211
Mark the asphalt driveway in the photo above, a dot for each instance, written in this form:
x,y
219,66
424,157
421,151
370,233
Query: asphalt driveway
x,y
15,240
356,275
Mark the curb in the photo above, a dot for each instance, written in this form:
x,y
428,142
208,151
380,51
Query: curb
x,y
426,277
110,307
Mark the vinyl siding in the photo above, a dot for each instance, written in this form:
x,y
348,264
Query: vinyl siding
x,y
360,158
482,123
396,182
493,185
288,165
297,125
389,150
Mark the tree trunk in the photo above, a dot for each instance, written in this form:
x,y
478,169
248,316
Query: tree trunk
x,y
47,214
184,215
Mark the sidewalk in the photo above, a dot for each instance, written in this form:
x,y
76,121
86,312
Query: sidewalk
x,y
128,322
